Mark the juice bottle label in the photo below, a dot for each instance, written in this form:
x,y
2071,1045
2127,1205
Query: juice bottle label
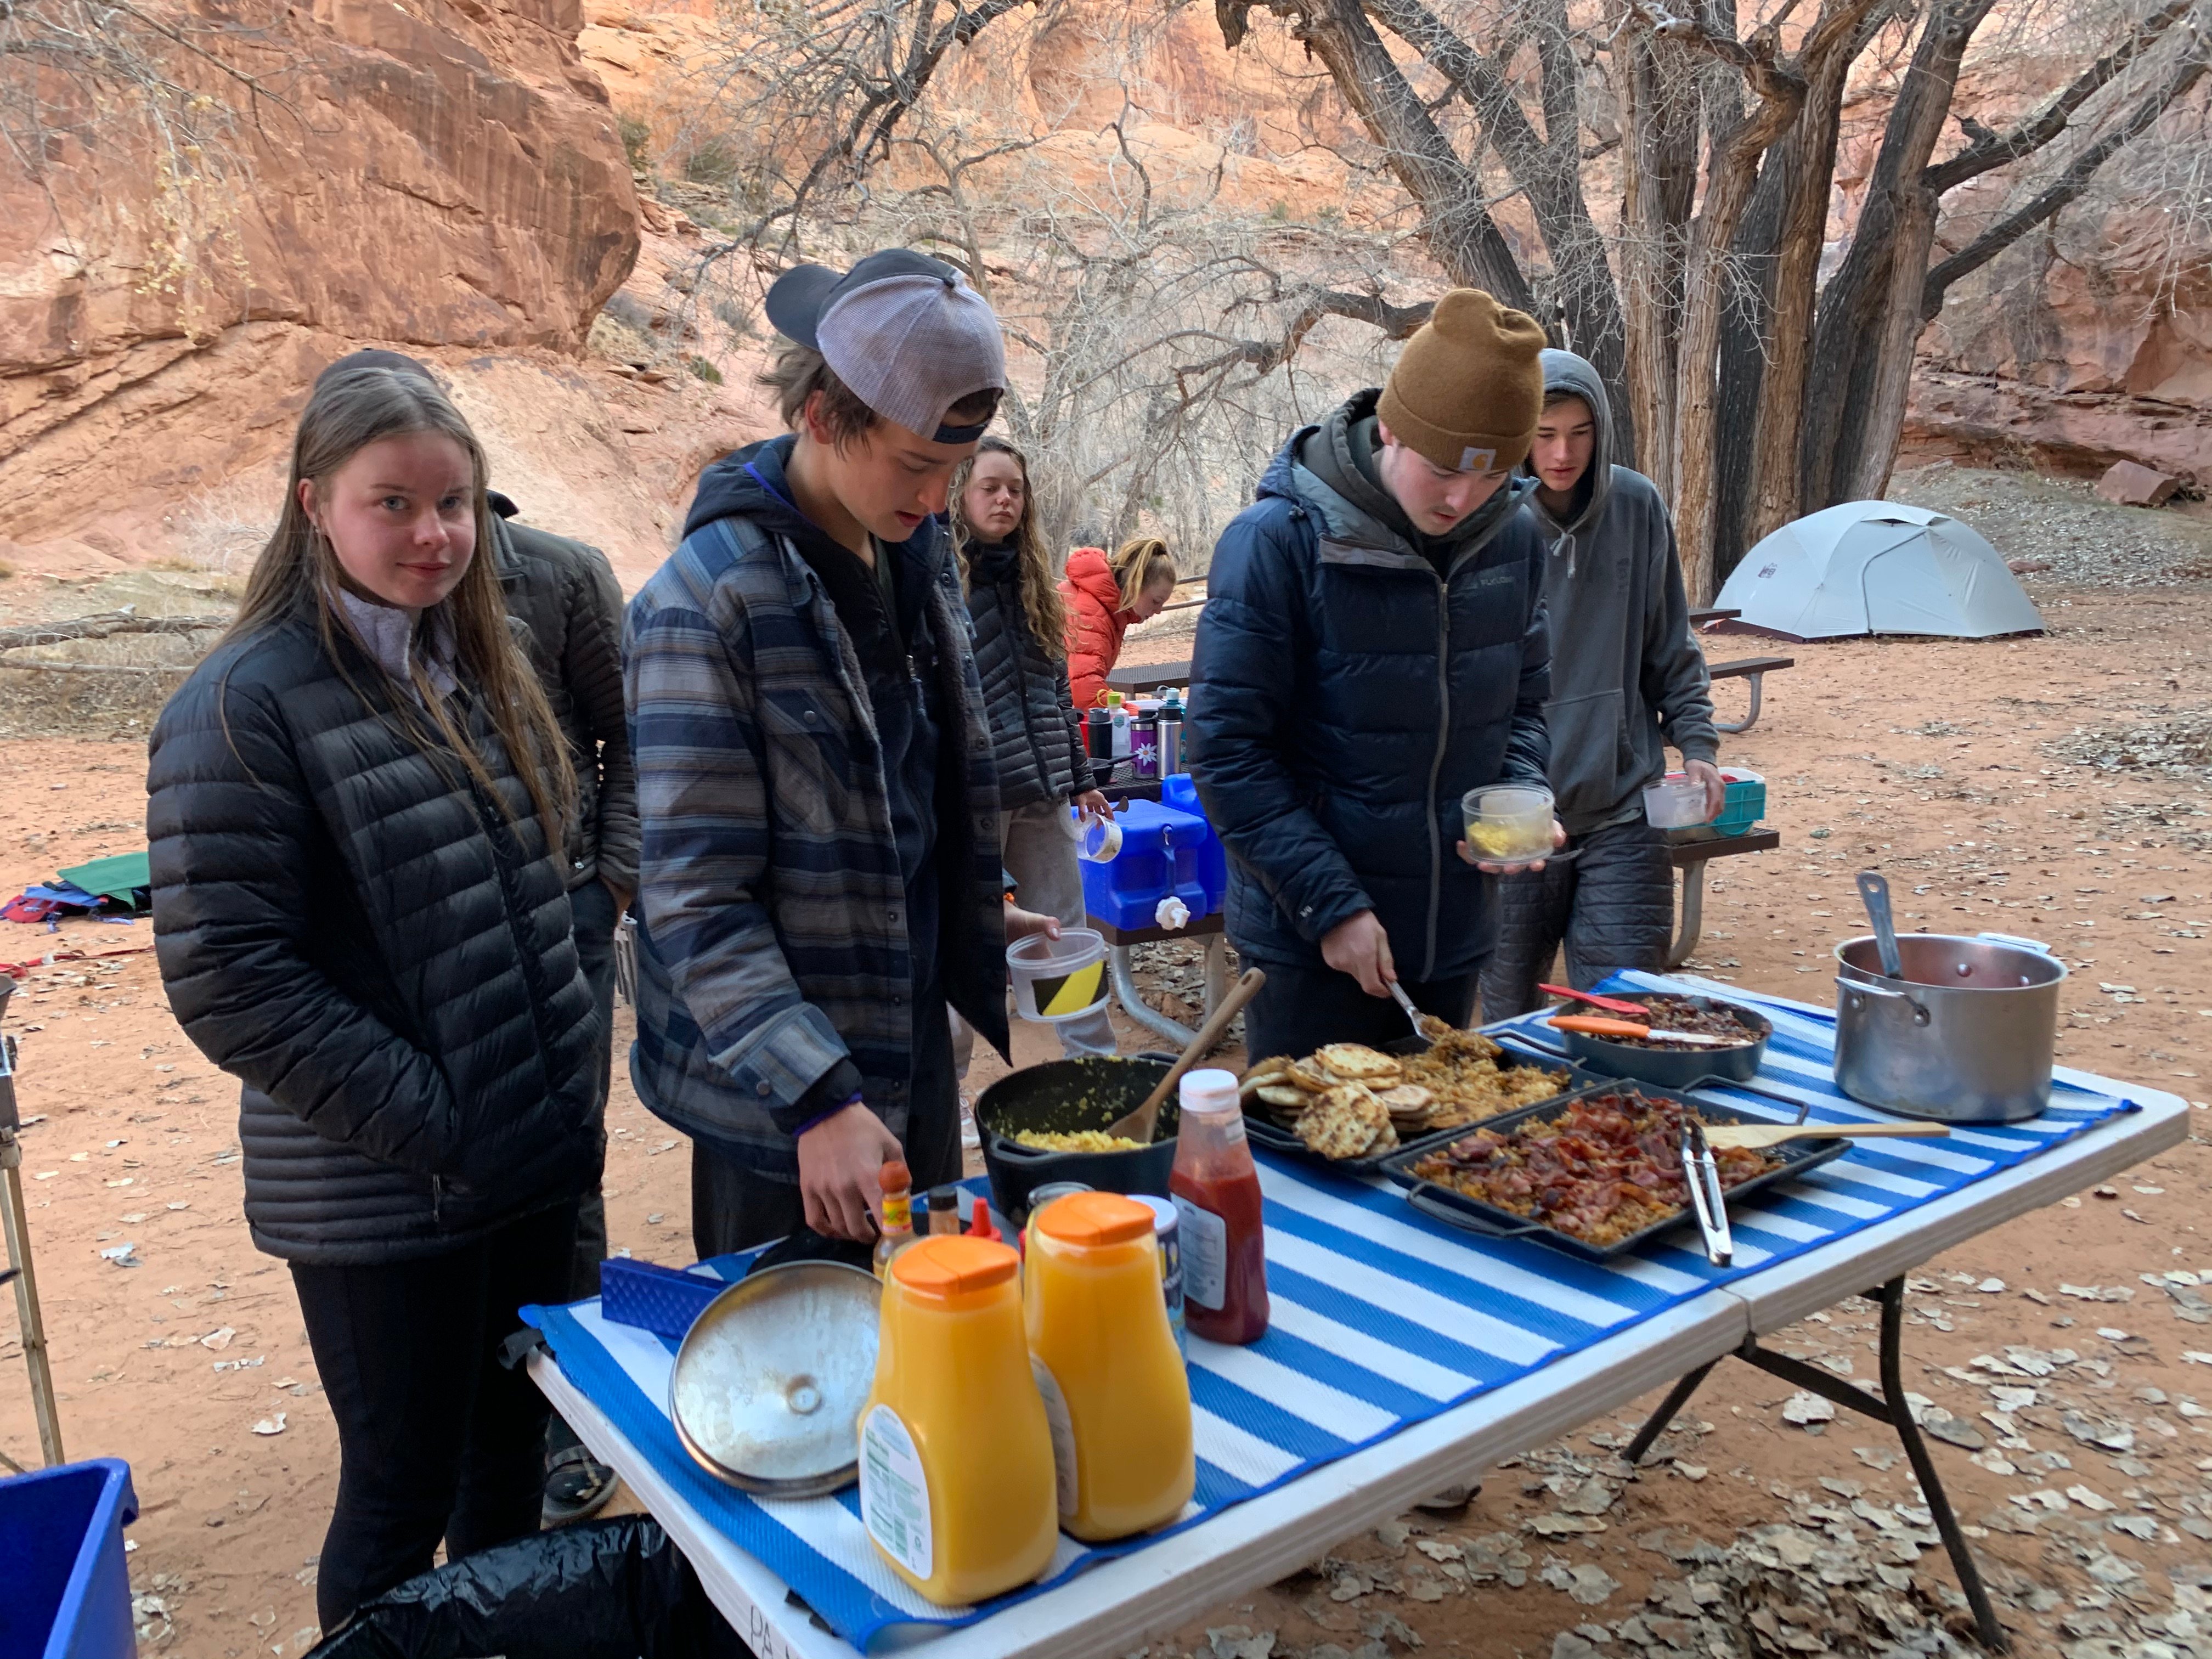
x,y
1205,1255
894,1492
1056,1417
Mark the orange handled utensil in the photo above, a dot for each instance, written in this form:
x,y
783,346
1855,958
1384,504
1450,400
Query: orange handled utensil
x,y
1597,1026
1611,1005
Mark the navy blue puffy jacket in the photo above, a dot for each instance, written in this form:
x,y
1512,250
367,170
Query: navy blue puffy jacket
x,y
1343,698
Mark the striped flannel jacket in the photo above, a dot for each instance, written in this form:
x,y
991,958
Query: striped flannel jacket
x,y
772,939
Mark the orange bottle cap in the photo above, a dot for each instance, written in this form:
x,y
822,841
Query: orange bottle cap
x,y
1090,1219
894,1176
947,1266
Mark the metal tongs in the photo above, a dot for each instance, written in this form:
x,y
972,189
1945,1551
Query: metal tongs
x,y
1701,1176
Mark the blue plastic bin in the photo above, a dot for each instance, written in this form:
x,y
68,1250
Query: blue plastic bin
x,y
65,1590
1180,793
1158,857
1746,802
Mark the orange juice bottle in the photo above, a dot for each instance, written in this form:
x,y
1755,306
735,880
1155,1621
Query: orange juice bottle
x,y
957,1483
1114,1385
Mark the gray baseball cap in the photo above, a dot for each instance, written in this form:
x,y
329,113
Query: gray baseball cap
x,y
904,331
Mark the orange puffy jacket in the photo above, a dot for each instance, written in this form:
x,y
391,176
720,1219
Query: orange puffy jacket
x,y
1095,623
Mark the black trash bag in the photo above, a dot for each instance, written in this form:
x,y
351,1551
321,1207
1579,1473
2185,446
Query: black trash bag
x,y
600,1589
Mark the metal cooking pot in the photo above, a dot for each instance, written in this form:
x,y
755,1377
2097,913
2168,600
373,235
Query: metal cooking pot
x,y
1966,1036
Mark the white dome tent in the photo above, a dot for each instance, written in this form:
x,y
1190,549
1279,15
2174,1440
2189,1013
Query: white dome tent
x,y
1878,567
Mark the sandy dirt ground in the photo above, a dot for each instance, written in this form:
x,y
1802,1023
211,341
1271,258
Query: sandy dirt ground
x,y
2058,787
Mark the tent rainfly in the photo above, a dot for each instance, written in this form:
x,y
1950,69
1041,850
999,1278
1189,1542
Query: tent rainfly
x,y
1878,567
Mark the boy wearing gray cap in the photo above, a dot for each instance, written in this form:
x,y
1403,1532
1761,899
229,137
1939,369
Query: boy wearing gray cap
x,y
820,870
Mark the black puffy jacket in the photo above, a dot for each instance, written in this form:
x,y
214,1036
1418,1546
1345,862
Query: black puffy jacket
x,y
378,954
1345,696
1035,729
565,593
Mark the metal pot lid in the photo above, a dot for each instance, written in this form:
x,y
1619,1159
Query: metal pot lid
x,y
767,1388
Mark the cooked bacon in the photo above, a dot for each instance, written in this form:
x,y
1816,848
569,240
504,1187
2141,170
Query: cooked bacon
x,y
1604,1169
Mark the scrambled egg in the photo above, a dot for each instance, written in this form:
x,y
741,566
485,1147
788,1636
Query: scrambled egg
x,y
1082,1141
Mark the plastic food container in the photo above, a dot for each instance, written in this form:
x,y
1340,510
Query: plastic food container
x,y
1746,803
1097,841
1508,823
1057,979
1676,802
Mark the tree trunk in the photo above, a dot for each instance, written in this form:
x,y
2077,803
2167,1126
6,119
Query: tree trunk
x,y
1728,192
1548,166
1458,228
1896,228
1746,328
1806,162
1659,180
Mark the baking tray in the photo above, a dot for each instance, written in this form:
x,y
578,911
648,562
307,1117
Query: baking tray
x,y
1458,1209
1266,1132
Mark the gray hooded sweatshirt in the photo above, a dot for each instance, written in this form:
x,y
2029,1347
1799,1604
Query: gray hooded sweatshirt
x,y
1626,676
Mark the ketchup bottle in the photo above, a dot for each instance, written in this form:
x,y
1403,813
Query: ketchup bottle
x,y
1216,1197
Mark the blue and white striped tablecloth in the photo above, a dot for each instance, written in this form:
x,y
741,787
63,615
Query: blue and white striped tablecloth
x,y
1381,1318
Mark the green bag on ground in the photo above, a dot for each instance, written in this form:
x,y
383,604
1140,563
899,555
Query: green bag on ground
x,y
128,878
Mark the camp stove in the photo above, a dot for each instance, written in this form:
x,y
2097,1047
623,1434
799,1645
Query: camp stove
x,y
15,1223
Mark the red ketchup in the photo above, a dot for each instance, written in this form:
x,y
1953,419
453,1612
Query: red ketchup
x,y
1217,1196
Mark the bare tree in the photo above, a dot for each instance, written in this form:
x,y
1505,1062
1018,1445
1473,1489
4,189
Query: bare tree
x,y
159,83
1159,336
1753,392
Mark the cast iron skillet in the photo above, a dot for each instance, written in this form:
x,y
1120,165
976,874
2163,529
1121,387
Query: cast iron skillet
x,y
1674,1067
1062,1097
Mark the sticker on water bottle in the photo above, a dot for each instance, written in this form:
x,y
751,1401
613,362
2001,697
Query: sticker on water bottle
x,y
894,1491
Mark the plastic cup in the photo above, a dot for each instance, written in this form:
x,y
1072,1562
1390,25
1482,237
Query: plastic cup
x,y
1058,978
1097,841
1508,823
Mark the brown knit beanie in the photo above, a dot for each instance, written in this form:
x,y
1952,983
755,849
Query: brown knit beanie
x,y
1468,388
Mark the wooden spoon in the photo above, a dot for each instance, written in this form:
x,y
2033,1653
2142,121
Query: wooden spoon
x,y
1774,1134
1137,1126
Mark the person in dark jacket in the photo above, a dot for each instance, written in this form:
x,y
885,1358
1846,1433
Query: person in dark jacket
x,y
1627,679
1372,648
564,593
820,872
356,821
1021,658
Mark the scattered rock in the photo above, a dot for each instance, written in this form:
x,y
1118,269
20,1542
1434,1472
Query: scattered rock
x,y
2126,483
1237,1642
1804,1409
1584,1583
2098,1431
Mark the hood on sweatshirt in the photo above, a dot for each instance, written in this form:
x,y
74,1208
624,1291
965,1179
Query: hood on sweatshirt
x,y
1332,467
1565,372
749,484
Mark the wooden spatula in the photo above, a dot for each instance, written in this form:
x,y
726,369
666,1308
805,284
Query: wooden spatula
x,y
1137,1126
1774,1134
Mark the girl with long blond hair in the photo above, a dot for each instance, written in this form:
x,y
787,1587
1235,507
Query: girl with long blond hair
x,y
1105,594
360,911
1022,658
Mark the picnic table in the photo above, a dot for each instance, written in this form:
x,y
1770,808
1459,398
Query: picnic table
x,y
1855,1226
1136,679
